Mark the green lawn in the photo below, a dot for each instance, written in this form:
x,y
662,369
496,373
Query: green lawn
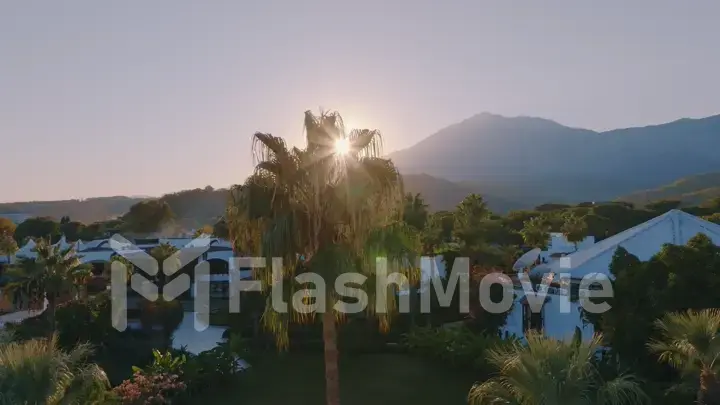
x,y
377,379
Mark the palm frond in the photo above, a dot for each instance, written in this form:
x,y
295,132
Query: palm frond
x,y
689,341
548,371
321,212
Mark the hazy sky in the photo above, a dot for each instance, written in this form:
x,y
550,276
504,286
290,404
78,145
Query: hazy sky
x,y
145,97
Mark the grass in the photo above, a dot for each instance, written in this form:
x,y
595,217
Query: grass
x,y
378,379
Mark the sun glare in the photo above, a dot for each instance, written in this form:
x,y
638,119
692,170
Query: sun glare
x,y
342,146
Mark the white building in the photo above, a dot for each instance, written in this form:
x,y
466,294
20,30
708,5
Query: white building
x,y
559,246
644,241
99,253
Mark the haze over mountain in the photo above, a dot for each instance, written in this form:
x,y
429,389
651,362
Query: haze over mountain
x,y
533,160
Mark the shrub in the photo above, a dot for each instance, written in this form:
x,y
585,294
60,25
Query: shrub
x,y
163,315
122,352
79,322
362,335
164,363
459,346
210,370
149,389
30,328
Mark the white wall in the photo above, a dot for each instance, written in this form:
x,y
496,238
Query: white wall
x,y
556,323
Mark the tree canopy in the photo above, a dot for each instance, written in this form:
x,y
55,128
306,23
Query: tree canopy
x,y
148,217
678,278
38,227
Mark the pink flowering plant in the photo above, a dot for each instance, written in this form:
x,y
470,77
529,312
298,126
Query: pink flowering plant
x,y
154,389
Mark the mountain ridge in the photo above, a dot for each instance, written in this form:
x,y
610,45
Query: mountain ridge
x,y
541,160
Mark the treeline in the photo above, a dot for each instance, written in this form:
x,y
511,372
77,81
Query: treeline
x,y
523,227
203,208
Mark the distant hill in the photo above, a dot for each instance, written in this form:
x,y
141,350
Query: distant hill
x,y
87,210
693,190
534,160
192,208
441,194
203,206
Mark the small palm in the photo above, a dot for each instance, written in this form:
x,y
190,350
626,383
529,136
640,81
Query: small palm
x,y
37,372
690,343
49,276
552,372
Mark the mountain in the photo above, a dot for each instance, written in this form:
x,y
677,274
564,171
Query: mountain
x,y
441,194
693,190
534,160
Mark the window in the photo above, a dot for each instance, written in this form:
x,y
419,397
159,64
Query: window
x,y
219,289
532,320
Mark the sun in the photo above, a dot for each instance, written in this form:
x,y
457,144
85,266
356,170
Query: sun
x,y
342,146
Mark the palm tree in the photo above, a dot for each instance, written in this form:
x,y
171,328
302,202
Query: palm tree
x,y
167,315
50,276
37,372
438,231
574,228
330,208
690,343
469,217
536,232
415,211
552,372
161,253
127,265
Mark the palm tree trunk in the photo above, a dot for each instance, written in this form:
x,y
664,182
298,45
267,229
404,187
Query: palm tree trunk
x,y
51,312
709,392
332,375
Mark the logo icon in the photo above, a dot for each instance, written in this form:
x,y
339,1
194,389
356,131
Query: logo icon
x,y
172,289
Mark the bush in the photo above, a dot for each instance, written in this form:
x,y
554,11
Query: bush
x,y
148,389
213,369
362,335
125,350
459,346
164,363
97,285
210,370
79,322
161,315
30,328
